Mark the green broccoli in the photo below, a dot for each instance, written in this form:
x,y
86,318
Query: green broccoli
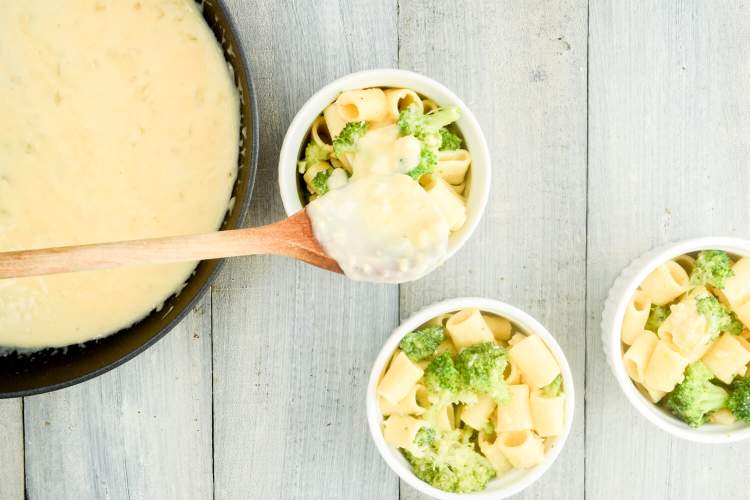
x,y
553,389
481,367
442,380
712,267
693,400
421,344
444,386
313,155
427,164
451,462
739,399
718,317
426,127
319,183
656,317
346,141
425,437
448,140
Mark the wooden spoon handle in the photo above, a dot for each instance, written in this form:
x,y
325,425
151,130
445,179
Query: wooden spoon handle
x,y
292,237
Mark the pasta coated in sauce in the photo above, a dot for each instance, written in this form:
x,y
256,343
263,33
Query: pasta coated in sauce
x,y
683,337
514,420
385,183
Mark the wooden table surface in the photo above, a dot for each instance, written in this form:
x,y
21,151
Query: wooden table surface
x,y
614,126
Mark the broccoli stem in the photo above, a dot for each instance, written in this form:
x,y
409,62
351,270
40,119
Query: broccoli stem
x,y
441,117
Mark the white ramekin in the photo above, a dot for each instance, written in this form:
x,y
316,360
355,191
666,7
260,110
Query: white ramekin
x,y
515,480
614,308
478,186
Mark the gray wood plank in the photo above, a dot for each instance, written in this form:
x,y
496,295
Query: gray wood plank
x,y
668,150
140,431
11,451
521,66
293,345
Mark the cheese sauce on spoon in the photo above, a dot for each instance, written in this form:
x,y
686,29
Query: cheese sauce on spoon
x,y
382,228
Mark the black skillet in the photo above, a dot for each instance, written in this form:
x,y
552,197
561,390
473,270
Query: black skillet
x,y
52,369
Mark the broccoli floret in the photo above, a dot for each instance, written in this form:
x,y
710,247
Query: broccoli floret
x,y
553,389
656,317
451,463
346,141
693,400
319,183
739,399
426,165
426,127
425,437
313,155
411,121
429,129
481,367
421,344
448,140
441,378
712,267
444,387
718,317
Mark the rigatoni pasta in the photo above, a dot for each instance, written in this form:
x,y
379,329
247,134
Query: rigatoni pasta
x,y
638,355
467,328
409,405
727,358
476,415
636,315
401,377
538,366
491,450
515,415
690,355
523,449
480,407
388,131
398,100
665,368
665,283
400,430
500,327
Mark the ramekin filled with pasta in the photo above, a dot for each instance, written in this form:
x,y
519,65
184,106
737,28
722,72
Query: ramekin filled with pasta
x,y
393,133
676,332
470,397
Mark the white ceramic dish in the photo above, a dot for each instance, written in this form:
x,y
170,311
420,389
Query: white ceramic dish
x,y
614,309
515,480
478,182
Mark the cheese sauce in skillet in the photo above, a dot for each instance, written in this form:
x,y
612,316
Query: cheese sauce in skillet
x,y
120,120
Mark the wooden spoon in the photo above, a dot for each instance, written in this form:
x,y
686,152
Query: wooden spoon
x,y
292,237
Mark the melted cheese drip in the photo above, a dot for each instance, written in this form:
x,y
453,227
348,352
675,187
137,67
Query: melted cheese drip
x,y
119,121
382,151
382,228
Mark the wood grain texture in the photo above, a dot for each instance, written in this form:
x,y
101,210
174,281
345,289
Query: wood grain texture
x,y
140,431
521,67
669,148
293,345
668,129
11,450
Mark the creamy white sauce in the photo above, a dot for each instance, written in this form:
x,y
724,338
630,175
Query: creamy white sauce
x,y
119,120
382,228
382,151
